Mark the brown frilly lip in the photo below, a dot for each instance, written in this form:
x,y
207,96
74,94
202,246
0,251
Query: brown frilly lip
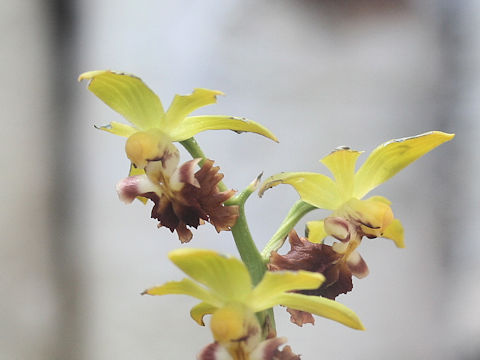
x,y
321,258
188,200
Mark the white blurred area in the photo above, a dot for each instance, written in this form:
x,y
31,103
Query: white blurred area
x,y
319,74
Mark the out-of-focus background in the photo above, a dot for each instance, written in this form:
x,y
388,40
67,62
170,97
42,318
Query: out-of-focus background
x,y
319,74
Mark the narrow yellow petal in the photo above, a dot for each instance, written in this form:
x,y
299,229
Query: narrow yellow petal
x,y
394,231
183,105
185,287
200,310
316,231
316,189
341,163
227,276
118,129
192,125
321,306
278,282
391,157
128,95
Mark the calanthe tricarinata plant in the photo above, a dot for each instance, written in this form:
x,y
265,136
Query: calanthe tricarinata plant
x,y
240,294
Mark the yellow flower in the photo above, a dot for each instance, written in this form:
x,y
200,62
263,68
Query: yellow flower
x,y
227,284
238,336
224,286
153,127
372,217
182,197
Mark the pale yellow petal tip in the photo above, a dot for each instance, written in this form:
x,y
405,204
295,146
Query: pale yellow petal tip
x,y
400,245
442,136
271,182
147,292
450,136
198,318
91,74
207,92
340,149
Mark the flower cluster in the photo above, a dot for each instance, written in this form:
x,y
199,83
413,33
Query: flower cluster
x,y
240,294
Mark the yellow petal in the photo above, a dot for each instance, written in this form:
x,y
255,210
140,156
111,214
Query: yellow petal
x,y
395,232
391,157
127,95
316,189
118,129
316,231
200,310
194,124
227,276
341,163
183,105
278,282
185,287
321,306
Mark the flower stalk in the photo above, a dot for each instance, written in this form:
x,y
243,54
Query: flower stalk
x,y
297,211
241,234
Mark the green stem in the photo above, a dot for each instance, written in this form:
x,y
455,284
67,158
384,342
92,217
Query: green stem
x,y
241,234
297,211
240,231
243,239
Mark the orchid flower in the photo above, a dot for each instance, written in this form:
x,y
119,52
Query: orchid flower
x,y
353,216
224,286
182,197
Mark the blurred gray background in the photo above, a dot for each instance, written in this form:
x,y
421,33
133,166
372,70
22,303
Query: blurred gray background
x,y
319,74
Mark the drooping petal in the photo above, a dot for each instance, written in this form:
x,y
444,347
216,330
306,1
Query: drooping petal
x,y
136,171
357,265
214,351
185,287
184,105
185,174
227,276
391,157
316,189
316,231
195,124
394,231
268,350
341,162
131,187
200,310
339,228
119,129
274,283
128,95
321,258
321,306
